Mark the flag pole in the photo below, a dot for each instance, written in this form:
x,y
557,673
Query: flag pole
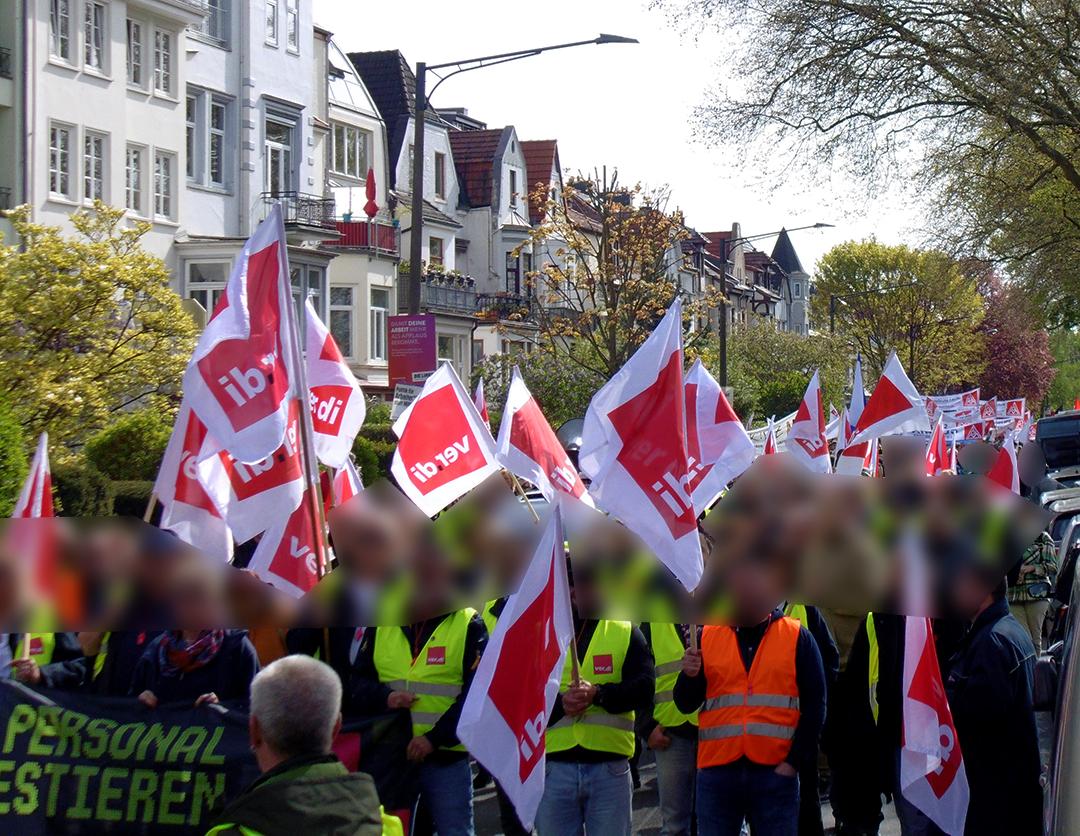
x,y
521,492
150,506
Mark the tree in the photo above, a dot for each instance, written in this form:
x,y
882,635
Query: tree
x,y
611,270
131,447
1018,358
13,463
920,304
976,98
1065,388
88,325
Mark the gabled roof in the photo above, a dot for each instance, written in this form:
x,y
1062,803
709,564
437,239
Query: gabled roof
x,y
715,241
784,254
474,157
541,159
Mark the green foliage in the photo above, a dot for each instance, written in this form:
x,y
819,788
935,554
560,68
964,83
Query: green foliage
x,y
1065,346
563,389
371,459
782,394
132,446
13,461
89,325
131,496
82,490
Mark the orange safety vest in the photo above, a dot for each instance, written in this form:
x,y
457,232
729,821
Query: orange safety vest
x,y
751,715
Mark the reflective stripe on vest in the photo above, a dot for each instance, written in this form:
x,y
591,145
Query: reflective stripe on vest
x,y
668,651
875,663
435,675
597,729
99,660
751,715
796,611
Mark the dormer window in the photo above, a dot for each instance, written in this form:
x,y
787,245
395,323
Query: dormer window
x,y
513,189
798,290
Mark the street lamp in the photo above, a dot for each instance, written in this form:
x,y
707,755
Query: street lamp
x,y
722,329
422,98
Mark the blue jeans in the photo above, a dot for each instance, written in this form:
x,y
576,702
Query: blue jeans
x,y
743,790
580,797
674,766
446,789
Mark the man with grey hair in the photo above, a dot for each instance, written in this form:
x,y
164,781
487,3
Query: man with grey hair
x,y
295,716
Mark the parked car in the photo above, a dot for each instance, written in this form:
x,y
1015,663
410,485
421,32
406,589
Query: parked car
x,y
1059,437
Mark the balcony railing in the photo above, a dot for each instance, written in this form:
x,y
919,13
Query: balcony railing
x,y
439,292
370,236
505,306
298,209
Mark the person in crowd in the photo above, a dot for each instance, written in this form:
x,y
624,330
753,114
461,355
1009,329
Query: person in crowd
x,y
989,682
671,735
295,716
48,660
759,685
1027,602
590,735
1034,480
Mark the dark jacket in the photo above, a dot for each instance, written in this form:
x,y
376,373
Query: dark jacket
x,y
228,674
65,670
315,794
989,684
690,691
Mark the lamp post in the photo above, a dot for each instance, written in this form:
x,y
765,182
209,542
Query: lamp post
x,y
722,329
421,104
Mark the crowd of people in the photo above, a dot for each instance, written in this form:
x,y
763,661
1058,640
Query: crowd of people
x,y
744,718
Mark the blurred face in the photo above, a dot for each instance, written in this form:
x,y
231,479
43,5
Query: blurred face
x,y
968,593
196,595
755,589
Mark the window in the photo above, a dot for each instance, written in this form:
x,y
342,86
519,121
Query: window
x,y
350,151
164,166
513,188
93,166
341,318
440,175
513,273
272,22
452,347
308,282
163,46
216,23
60,161
217,143
191,108
380,310
134,53
798,290
207,123
60,29
94,36
527,269
133,179
206,282
412,161
292,25
279,139
435,252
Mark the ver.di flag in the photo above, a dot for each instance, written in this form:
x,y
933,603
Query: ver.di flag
x,y
851,458
35,498
529,448
633,448
806,440
337,404
242,373
445,448
505,715
895,406
287,555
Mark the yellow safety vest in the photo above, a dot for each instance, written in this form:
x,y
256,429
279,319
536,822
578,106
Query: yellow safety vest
x,y
668,651
796,611
597,729
391,826
874,664
490,619
436,675
42,647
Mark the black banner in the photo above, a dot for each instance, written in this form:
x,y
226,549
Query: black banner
x,y
80,764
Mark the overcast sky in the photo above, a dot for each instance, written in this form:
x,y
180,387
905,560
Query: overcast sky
x,y
628,107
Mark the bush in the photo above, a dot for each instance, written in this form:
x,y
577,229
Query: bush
x,y
373,457
13,464
130,497
131,447
82,491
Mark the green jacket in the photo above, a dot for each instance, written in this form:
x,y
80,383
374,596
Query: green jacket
x,y
304,795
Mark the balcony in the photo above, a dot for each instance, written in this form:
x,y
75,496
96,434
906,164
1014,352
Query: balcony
x,y
368,236
306,216
441,292
505,307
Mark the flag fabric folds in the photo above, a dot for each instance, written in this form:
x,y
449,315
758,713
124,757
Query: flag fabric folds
x,y
806,440
337,404
894,407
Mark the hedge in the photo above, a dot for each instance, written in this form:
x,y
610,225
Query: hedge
x,y
82,491
132,446
130,497
13,463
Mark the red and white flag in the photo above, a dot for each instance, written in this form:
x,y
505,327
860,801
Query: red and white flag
x,y
337,404
187,509
851,458
894,407
932,774
937,451
481,402
976,431
529,448
806,440
835,427
633,448
717,445
1012,408
287,555
770,440
445,448
515,686
243,372
252,496
1004,471
347,483
35,498
988,409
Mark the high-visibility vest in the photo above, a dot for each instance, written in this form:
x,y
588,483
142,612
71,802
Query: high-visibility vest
x,y
436,675
490,619
42,647
596,729
874,664
668,651
751,715
796,611
391,826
